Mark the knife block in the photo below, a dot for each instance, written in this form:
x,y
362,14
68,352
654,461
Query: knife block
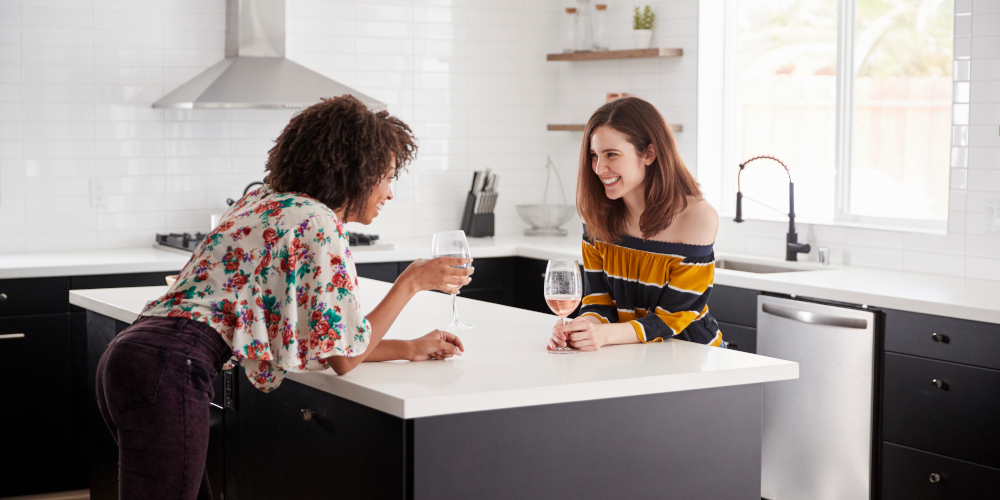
x,y
476,225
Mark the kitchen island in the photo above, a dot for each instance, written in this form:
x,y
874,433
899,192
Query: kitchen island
x,y
505,420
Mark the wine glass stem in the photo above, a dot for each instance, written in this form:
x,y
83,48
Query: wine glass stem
x,y
454,309
563,320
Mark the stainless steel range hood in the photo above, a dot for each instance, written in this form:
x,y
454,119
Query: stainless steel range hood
x,y
255,73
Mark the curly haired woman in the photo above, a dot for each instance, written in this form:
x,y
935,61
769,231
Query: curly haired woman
x,y
648,238
274,289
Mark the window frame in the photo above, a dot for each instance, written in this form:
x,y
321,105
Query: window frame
x,y
846,34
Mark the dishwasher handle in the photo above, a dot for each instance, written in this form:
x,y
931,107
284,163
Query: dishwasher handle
x,y
815,318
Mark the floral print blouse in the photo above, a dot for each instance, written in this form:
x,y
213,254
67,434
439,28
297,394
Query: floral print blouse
x,y
276,279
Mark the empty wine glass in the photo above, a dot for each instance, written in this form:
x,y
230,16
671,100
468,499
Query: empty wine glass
x,y
563,290
452,244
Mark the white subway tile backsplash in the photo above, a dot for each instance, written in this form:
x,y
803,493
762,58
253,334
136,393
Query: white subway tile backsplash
x,y
920,262
874,257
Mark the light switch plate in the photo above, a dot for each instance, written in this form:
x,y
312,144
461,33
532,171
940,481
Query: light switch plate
x,y
992,217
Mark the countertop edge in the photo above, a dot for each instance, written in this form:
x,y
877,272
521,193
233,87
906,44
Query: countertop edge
x,y
112,311
538,396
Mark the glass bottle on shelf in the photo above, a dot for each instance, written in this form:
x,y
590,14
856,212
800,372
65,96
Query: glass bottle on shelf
x,y
600,24
584,40
569,30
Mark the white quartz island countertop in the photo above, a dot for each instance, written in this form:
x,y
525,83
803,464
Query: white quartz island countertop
x,y
505,364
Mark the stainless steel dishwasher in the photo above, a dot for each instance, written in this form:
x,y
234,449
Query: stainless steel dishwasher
x,y
817,434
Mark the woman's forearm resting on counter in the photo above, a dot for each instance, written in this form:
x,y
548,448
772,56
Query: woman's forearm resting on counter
x,y
421,275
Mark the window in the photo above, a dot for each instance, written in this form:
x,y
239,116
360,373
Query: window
x,y
855,97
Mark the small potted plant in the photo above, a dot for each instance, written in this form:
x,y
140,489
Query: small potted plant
x,y
642,26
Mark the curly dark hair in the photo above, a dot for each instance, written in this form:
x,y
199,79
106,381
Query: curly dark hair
x,y
337,151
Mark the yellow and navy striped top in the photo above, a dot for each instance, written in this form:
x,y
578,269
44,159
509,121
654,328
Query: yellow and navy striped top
x,y
660,288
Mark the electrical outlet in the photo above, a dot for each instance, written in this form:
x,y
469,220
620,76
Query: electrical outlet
x,y
992,217
97,193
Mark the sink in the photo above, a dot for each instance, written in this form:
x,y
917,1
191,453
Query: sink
x,y
757,267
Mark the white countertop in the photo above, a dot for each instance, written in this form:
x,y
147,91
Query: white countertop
x,y
965,298
79,263
505,364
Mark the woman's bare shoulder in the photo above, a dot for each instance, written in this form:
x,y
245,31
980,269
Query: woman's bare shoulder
x,y
697,224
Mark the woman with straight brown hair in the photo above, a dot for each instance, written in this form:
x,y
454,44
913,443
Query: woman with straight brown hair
x,y
648,236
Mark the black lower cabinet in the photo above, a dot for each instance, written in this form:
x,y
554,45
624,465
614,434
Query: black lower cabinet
x,y
304,443
38,454
382,271
943,408
739,337
909,474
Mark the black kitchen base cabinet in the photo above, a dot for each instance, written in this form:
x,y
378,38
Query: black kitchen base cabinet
x,y
293,438
37,451
909,474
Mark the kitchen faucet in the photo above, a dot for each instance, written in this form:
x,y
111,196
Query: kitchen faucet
x,y
792,245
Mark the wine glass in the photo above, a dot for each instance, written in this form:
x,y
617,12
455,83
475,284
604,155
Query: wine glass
x,y
563,290
452,244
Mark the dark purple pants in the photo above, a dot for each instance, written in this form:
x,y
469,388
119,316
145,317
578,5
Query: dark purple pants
x,y
154,386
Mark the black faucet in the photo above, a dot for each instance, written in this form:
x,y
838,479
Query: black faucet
x,y
792,247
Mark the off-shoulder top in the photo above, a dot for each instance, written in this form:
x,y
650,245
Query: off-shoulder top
x,y
659,288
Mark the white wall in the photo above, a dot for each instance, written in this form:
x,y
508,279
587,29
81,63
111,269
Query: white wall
x,y
77,78
968,249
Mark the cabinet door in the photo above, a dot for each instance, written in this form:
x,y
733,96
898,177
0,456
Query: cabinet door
x,y
958,419
908,474
382,271
529,285
35,356
340,450
733,305
739,337
22,297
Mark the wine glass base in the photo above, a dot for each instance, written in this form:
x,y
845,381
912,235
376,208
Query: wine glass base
x,y
563,350
457,326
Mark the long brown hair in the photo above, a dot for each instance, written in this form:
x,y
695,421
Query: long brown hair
x,y
667,185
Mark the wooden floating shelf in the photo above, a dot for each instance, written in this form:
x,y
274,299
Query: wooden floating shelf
x,y
615,54
579,128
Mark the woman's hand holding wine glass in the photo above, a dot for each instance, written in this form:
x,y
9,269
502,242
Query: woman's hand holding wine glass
x,y
443,273
584,333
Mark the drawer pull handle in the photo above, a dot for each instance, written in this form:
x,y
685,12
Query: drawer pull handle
x,y
935,477
939,338
307,415
11,336
3,297
940,384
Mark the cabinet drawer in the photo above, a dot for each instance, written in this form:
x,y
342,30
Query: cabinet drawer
x,y
733,305
948,339
958,419
739,337
28,296
907,475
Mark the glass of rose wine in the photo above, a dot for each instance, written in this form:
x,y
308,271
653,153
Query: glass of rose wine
x,y
563,290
